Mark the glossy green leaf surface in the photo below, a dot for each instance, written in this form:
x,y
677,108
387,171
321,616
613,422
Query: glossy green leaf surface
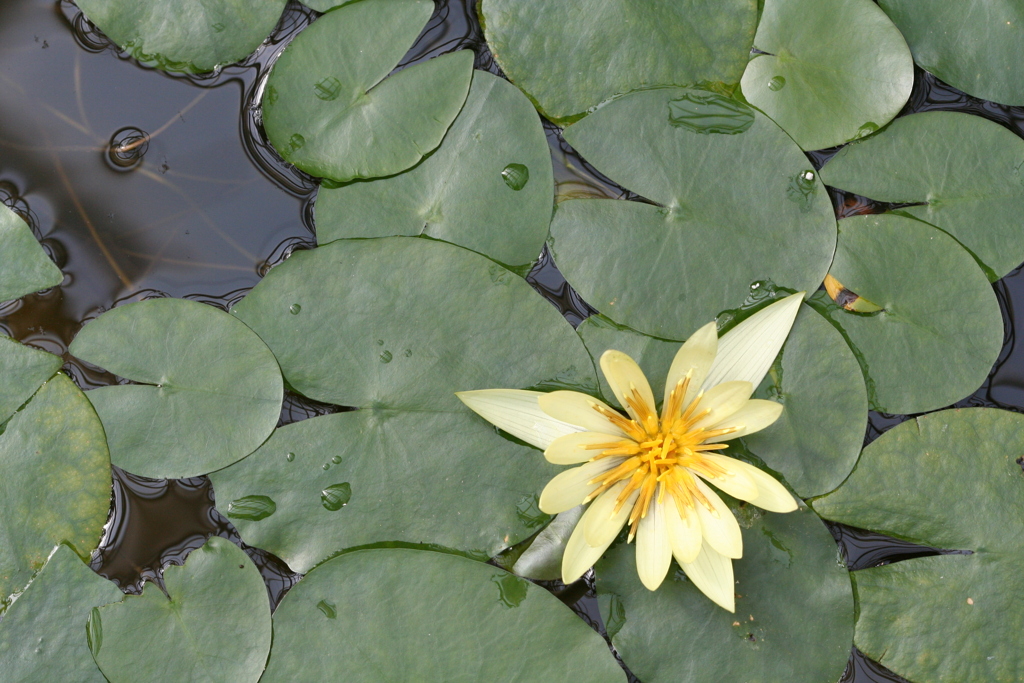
x,y
924,350
414,615
209,390
835,69
739,204
190,36
25,267
570,57
43,634
366,331
949,480
488,187
23,369
973,45
55,471
212,625
330,108
793,620
965,172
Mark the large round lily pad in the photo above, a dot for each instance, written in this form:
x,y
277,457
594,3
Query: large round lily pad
x,y
793,620
835,69
210,391
331,109
55,481
191,36
212,625
43,634
965,172
739,204
923,350
973,45
22,371
395,326
949,480
414,615
25,267
569,57
488,187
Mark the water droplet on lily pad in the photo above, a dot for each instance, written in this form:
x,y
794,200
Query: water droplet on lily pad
x,y
707,112
528,511
386,357
408,352
336,460
94,632
777,83
328,89
328,609
326,466
801,190
296,142
336,496
294,309
253,508
290,457
511,589
867,129
516,176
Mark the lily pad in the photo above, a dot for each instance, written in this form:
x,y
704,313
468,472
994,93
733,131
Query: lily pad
x,y
965,173
973,45
414,615
794,610
488,187
55,471
948,480
212,625
835,69
209,390
569,57
330,109
902,265
43,634
25,267
190,36
739,204
395,326
22,371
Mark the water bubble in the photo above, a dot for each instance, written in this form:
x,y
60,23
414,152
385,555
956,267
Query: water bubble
x,y
777,83
386,357
326,466
126,148
336,496
801,190
252,508
328,609
294,309
290,457
328,88
516,176
336,460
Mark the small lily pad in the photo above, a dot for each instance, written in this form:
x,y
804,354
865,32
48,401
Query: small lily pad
x,y
330,108
488,187
964,173
835,70
213,624
25,267
951,480
493,626
22,371
209,390
190,36
938,312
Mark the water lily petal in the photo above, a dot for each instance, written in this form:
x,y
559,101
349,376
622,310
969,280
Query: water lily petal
x,y
711,572
601,523
771,495
696,357
568,489
721,532
579,556
747,351
755,415
518,413
736,482
572,448
653,547
723,400
579,409
684,533
624,375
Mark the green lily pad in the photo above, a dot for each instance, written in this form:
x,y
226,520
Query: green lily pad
x,y
25,267
325,5
967,174
43,634
55,471
836,69
570,57
949,480
488,187
414,615
739,204
794,610
22,371
190,36
210,391
212,625
938,312
330,109
973,45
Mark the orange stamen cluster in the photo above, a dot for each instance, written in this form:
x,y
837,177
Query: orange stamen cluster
x,y
660,454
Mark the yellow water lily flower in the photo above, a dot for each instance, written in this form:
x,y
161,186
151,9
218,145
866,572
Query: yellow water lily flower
x,y
651,470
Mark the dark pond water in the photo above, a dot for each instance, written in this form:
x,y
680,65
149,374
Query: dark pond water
x,y
142,185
